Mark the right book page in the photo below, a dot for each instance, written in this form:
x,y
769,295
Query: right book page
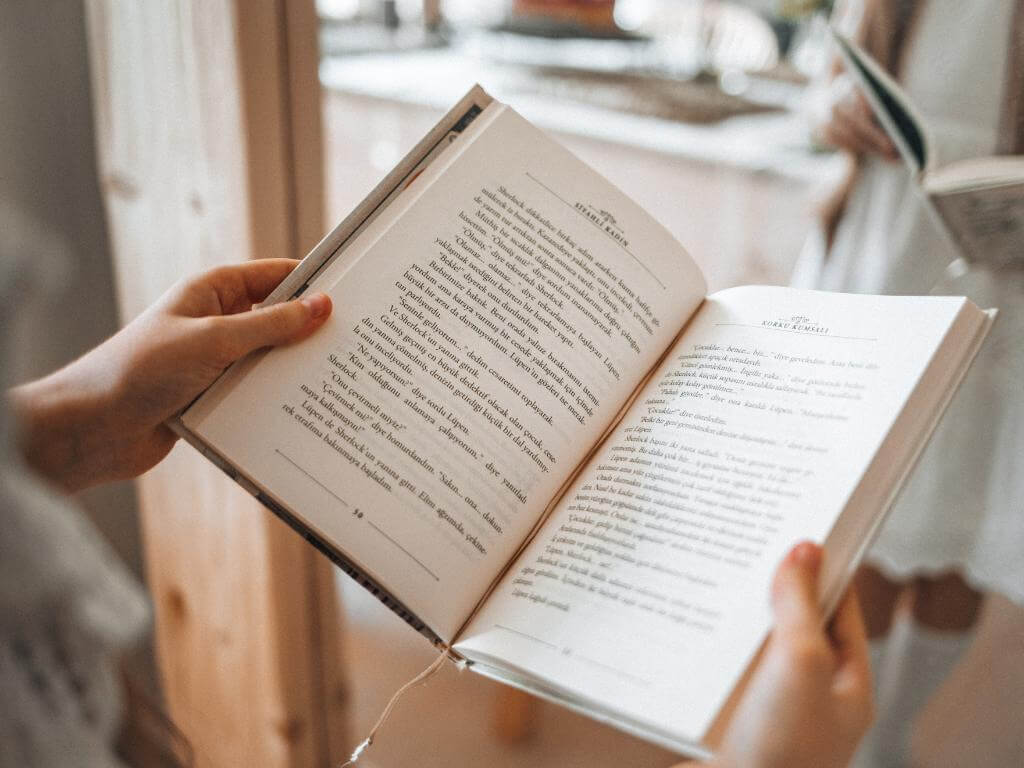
x,y
645,594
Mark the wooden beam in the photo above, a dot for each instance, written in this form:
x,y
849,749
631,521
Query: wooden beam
x,y
209,143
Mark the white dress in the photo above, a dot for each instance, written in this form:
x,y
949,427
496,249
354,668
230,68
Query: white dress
x,y
963,508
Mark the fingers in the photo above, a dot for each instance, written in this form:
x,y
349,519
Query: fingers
x,y
263,276
849,638
847,630
795,592
858,135
239,334
851,126
238,286
862,122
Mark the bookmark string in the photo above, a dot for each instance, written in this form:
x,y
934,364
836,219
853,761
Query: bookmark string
x,y
422,677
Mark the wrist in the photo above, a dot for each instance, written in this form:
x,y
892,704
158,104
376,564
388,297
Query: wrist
x,y
62,425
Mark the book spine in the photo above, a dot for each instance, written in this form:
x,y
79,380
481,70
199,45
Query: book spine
x,y
332,245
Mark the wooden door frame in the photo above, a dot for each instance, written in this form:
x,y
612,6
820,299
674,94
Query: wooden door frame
x,y
210,151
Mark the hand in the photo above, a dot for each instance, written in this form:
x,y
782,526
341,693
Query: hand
x,y
810,700
102,417
846,121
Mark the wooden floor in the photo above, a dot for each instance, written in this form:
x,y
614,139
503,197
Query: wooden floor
x,y
449,721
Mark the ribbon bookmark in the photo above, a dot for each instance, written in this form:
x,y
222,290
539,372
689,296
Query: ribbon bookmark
x,y
422,677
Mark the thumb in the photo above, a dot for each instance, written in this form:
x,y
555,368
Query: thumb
x,y
273,325
795,590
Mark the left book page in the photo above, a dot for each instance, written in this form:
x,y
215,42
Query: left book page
x,y
486,330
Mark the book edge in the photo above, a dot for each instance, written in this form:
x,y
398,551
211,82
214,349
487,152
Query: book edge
x,y
832,592
673,742
456,119
332,553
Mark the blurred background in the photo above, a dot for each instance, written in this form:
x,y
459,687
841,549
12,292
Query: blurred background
x,y
142,134
664,97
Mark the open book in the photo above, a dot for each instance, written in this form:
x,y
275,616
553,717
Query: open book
x,y
532,433
979,202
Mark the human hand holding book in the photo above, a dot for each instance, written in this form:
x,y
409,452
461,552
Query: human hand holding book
x,y
103,417
842,118
810,701
978,202
183,341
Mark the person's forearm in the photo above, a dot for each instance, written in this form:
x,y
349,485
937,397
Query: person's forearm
x,y
63,421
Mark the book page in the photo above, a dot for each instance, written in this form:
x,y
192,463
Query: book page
x,y
485,331
987,223
646,591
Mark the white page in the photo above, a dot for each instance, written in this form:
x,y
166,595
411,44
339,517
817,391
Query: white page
x,y
988,223
434,515
646,591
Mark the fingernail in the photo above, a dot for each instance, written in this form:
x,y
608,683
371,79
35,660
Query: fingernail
x,y
318,304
